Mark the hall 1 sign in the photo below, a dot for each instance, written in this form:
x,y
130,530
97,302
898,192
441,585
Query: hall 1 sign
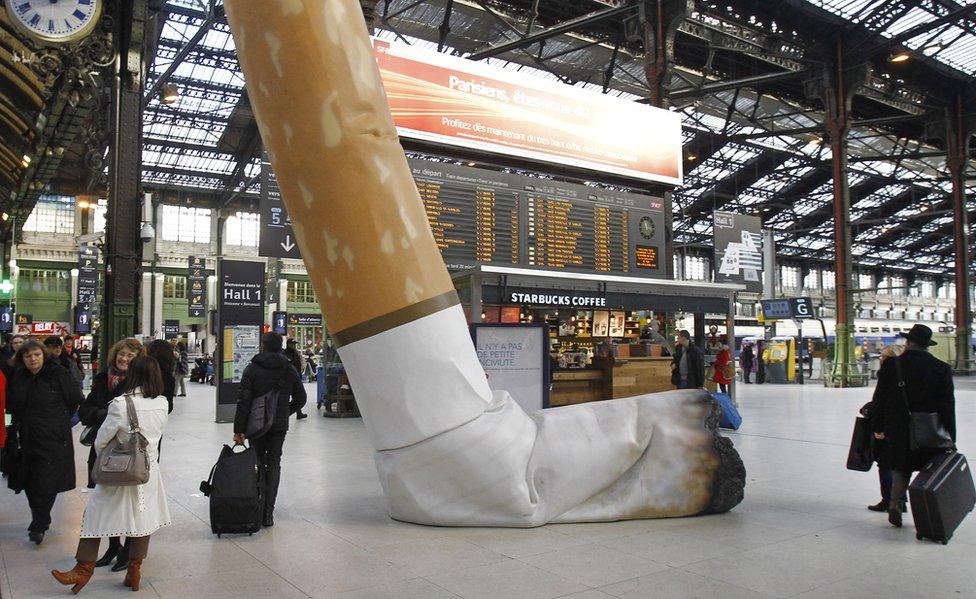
x,y
87,276
240,318
197,286
277,239
171,329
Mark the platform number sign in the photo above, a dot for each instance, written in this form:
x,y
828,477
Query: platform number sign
x,y
276,237
802,308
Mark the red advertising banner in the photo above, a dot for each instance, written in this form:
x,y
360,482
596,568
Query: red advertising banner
x,y
445,99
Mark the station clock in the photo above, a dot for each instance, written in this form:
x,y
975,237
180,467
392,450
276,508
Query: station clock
x,y
55,22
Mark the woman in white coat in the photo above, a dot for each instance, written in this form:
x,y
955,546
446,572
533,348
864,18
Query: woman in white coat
x,y
137,511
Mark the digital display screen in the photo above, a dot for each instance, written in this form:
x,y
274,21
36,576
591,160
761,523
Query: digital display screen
x,y
776,309
480,216
646,257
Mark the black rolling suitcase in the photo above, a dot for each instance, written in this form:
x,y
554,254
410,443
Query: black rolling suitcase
x,y
234,489
941,495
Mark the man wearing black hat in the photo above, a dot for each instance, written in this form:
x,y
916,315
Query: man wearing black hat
x,y
915,381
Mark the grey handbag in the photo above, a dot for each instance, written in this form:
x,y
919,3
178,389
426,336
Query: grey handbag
x,y
925,429
124,463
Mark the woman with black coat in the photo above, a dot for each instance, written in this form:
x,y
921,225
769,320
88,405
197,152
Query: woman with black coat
x,y
106,386
927,387
41,397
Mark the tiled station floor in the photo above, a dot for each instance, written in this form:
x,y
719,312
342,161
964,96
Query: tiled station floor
x,y
802,530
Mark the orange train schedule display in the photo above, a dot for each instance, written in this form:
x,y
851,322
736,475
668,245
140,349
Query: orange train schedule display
x,y
481,216
646,256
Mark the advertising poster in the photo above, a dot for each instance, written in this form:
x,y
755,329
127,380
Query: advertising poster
x,y
738,250
449,100
601,323
617,326
279,323
196,281
516,359
82,321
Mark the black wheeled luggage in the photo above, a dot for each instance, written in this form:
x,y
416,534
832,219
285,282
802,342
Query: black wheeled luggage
x,y
941,496
235,491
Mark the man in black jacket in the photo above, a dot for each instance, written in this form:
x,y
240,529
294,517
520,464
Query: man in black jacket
x,y
267,371
927,388
688,364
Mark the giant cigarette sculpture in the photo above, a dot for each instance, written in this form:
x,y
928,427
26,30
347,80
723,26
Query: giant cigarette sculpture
x,y
448,450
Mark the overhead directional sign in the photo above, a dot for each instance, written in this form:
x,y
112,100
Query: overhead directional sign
x,y
802,308
798,308
87,276
277,240
197,286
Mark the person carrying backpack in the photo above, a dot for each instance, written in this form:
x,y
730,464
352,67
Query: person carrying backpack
x,y
269,372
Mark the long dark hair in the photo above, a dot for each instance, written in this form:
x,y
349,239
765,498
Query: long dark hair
x,y
163,352
144,374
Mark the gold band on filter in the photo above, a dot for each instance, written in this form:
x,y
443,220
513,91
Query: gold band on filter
x,y
396,318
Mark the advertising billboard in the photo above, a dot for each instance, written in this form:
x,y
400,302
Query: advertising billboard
x,y
450,100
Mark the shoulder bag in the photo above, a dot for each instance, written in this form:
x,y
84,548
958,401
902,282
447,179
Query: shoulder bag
x,y
263,409
124,462
925,429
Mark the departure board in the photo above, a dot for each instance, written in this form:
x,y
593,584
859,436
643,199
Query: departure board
x,y
480,216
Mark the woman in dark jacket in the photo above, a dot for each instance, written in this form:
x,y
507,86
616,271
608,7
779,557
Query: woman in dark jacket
x,y
106,386
41,397
927,388
163,352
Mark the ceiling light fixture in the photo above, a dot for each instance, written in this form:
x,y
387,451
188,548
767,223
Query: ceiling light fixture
x,y
169,93
902,56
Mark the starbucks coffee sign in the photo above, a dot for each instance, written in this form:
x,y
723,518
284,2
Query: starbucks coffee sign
x,y
569,301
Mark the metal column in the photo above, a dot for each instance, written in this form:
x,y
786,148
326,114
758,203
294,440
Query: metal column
x,y
958,131
837,91
660,19
122,245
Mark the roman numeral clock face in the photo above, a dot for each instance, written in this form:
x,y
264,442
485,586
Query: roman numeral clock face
x,y
55,21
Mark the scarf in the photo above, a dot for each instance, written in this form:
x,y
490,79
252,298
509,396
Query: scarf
x,y
114,378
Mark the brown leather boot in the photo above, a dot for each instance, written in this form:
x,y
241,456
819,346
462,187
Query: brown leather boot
x,y
77,576
133,574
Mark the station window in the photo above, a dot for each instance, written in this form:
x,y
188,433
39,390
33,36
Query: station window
x,y
789,277
100,212
43,280
186,224
947,291
52,214
174,287
696,268
301,292
243,229
865,281
897,286
827,277
812,280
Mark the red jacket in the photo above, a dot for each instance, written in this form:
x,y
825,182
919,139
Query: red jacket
x,y
723,358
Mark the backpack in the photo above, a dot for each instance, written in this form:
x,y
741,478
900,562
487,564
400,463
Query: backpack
x,y
263,408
